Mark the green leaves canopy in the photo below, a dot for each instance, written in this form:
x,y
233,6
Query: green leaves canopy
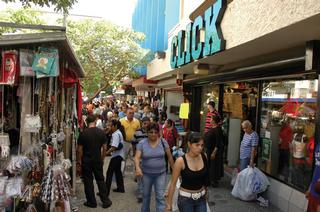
x,y
106,52
60,5
20,16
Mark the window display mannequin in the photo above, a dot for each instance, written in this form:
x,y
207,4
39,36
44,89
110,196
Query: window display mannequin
x,y
285,138
252,106
299,174
299,143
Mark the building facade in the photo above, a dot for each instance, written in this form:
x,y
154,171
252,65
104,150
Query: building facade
x,y
258,60
156,18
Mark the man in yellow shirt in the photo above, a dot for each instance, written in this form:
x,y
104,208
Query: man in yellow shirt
x,y
130,125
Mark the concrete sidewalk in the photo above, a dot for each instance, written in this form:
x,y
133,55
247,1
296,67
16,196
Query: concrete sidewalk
x,y
225,202
126,202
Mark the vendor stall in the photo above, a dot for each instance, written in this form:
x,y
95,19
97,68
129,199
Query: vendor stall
x,y
40,96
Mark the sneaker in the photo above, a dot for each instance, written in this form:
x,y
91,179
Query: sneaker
x,y
118,190
107,204
90,205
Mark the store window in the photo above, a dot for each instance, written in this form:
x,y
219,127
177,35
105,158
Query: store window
x,y
239,104
287,127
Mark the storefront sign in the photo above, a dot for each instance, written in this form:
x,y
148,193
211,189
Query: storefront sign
x,y
187,45
184,111
266,149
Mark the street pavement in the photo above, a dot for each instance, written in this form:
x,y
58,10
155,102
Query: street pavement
x,y
220,199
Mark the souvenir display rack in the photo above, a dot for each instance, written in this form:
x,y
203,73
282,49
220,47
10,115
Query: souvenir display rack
x,y
40,95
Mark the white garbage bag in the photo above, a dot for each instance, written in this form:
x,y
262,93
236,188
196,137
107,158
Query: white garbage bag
x,y
249,183
175,196
208,208
234,176
243,187
260,181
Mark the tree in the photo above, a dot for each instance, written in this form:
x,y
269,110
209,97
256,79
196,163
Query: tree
x,y
60,5
106,52
20,16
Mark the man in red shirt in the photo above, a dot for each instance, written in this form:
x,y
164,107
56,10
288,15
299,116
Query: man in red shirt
x,y
285,138
211,112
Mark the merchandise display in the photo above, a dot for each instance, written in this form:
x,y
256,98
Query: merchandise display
x,y
36,111
288,122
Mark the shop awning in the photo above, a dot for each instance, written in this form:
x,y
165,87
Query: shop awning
x,y
143,84
57,39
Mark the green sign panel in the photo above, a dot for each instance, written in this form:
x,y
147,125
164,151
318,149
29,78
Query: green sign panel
x,y
266,149
186,46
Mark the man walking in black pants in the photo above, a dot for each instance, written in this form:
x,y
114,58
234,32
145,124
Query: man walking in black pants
x,y
117,155
90,145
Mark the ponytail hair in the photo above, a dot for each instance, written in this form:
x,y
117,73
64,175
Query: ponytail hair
x,y
117,123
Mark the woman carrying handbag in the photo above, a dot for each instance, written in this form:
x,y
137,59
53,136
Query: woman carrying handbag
x,y
151,152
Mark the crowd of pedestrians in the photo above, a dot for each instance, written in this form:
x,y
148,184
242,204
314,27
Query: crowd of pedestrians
x,y
144,133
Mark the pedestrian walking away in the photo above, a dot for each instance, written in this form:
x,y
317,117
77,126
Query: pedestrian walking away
x,y
151,152
90,159
194,172
117,155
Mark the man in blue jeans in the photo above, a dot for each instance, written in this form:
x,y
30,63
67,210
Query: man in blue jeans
x,y
248,145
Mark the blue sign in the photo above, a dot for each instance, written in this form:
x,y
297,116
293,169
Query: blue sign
x,y
186,46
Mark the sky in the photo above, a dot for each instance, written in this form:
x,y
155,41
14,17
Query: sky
x,y
116,11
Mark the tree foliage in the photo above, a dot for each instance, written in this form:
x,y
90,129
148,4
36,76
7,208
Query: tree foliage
x,y
106,52
20,16
59,5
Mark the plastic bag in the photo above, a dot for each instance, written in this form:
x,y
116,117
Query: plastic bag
x,y
260,181
32,123
3,196
234,176
243,186
249,183
14,186
26,60
208,208
175,196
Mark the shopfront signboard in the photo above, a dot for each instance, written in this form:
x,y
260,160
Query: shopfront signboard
x,y
184,111
188,46
266,148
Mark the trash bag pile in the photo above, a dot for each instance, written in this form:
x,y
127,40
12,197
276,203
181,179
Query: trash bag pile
x,y
249,183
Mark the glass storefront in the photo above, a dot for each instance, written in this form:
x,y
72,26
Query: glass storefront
x,y
287,127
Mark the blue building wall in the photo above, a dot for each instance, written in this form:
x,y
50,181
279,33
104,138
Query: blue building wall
x,y
149,18
172,13
155,18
